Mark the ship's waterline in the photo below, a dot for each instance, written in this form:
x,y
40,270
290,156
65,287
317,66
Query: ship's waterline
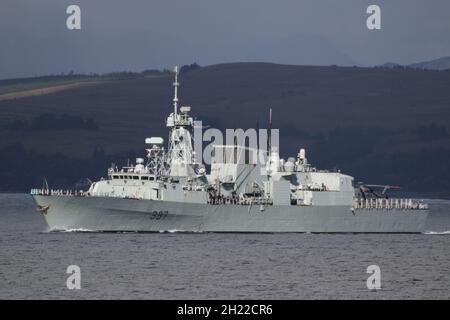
x,y
115,214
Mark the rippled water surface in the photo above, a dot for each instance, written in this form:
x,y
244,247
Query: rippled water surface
x,y
33,262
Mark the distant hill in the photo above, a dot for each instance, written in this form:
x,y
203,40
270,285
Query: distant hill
x,y
391,65
382,125
437,64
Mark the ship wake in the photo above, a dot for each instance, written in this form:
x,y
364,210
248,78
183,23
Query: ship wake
x,y
437,232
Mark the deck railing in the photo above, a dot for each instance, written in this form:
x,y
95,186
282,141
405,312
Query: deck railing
x,y
390,204
58,192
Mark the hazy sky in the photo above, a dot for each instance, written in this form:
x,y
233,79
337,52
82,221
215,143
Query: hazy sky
x,y
121,35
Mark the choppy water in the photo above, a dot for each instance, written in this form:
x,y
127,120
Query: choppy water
x,y
33,262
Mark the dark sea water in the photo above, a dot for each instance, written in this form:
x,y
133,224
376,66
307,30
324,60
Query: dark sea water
x,y
33,262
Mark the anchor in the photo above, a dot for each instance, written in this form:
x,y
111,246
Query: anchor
x,y
43,209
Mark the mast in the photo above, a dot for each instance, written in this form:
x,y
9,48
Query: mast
x,y
269,138
180,151
257,136
175,97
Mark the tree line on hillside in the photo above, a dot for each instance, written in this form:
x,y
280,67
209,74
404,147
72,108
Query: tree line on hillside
x,y
118,75
22,169
53,122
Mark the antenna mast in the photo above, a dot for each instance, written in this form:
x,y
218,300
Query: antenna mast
x,y
269,138
175,97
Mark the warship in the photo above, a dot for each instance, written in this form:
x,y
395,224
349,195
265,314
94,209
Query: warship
x,y
171,191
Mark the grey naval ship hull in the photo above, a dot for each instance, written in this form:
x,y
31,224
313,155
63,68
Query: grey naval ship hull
x,y
118,214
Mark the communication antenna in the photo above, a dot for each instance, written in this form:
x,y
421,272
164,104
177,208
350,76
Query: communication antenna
x,y
257,136
175,97
44,183
234,146
269,138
